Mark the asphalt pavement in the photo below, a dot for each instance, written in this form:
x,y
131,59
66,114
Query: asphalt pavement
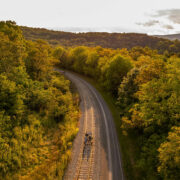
x,y
102,159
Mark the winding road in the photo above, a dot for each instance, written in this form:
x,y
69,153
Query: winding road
x,y
102,160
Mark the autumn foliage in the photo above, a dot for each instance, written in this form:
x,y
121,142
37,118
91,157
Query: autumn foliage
x,y
38,114
146,86
103,39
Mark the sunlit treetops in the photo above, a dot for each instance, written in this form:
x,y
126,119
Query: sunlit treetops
x,y
36,108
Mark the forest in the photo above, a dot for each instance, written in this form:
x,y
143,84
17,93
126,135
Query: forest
x,y
38,110
147,88
143,78
103,39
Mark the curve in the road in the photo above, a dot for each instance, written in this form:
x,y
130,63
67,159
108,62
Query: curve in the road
x,y
106,147
115,144
107,133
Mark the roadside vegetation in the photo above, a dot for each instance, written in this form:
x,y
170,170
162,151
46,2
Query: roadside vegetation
x,y
38,111
144,87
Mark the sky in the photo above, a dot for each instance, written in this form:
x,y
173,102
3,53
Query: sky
x,y
142,16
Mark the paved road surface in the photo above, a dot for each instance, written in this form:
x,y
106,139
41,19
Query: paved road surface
x,y
102,160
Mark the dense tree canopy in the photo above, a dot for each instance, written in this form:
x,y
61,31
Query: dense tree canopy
x,y
154,108
146,85
36,108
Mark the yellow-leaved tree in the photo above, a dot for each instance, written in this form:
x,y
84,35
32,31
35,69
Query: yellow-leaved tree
x,y
169,156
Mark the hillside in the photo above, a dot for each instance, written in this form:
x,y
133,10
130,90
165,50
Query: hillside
x,y
105,40
170,37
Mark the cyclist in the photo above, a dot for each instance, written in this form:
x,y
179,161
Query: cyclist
x,y
86,138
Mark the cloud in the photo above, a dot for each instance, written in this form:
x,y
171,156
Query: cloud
x,y
167,26
172,14
149,23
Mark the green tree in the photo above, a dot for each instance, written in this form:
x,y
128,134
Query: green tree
x,y
39,62
118,68
78,57
127,90
61,54
91,63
